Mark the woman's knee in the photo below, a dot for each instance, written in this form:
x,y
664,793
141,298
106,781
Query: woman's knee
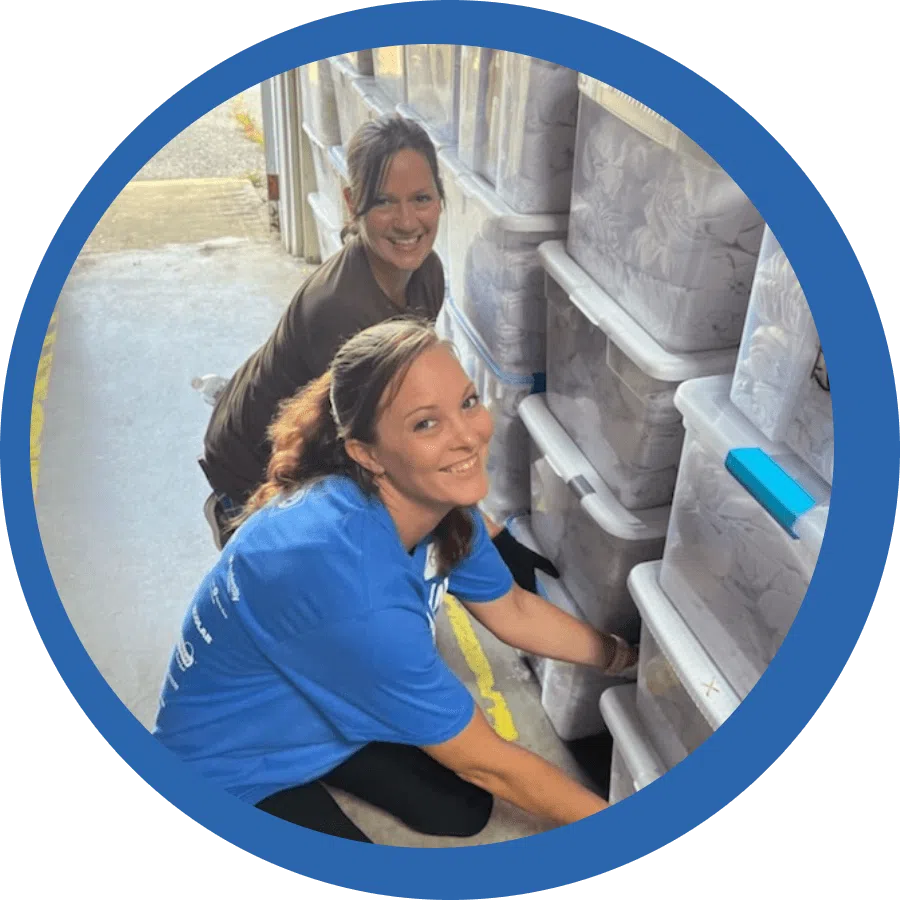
x,y
465,814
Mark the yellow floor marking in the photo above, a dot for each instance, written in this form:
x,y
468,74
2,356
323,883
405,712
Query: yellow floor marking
x,y
41,386
477,661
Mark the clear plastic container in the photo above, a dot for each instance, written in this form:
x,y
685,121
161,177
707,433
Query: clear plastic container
x,y
389,64
319,106
501,392
732,571
432,89
570,694
496,276
479,110
811,432
779,382
635,761
328,179
612,386
659,225
359,60
590,537
682,697
358,97
538,110
350,108
328,230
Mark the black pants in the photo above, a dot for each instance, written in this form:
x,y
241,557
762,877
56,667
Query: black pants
x,y
403,781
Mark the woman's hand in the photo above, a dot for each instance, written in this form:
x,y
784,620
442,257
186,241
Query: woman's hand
x,y
478,755
531,623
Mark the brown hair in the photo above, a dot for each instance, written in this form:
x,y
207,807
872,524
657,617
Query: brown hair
x,y
369,154
310,429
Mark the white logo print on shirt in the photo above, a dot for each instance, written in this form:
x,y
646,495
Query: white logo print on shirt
x,y
438,588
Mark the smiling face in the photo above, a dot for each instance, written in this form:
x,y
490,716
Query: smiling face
x,y
399,230
431,441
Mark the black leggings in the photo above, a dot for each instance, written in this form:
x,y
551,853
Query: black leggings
x,y
404,781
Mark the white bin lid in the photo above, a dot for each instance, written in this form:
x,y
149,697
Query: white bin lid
x,y
344,68
647,121
706,406
477,189
314,138
604,313
704,683
619,710
321,210
374,98
338,156
595,497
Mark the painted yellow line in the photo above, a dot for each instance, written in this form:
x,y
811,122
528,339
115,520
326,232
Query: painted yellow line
x,y
498,710
41,386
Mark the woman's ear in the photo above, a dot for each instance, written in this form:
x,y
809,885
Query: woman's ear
x,y
363,455
348,202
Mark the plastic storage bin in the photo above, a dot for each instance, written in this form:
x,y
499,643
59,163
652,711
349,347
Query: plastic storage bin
x,y
327,229
612,386
389,64
811,432
682,697
635,762
432,89
358,97
658,224
501,393
733,572
359,60
319,106
496,276
777,383
328,179
590,537
570,694
538,110
479,110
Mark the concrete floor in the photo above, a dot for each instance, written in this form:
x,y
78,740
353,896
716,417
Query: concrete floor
x,y
182,278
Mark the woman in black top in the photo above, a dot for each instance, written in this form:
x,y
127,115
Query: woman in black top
x,y
386,266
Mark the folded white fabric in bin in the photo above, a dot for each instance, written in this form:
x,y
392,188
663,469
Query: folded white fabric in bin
x,y
539,106
682,696
776,384
736,576
659,225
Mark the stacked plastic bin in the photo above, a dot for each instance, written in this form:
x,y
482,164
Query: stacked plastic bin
x,y
637,303
497,216
659,225
517,119
432,90
322,129
570,694
781,383
389,64
748,519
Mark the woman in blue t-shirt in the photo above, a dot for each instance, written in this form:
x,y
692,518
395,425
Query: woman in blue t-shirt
x,y
307,657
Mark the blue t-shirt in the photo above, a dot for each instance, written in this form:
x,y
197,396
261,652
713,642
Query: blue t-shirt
x,y
312,636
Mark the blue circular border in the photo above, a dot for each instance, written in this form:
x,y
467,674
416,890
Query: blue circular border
x,y
856,540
